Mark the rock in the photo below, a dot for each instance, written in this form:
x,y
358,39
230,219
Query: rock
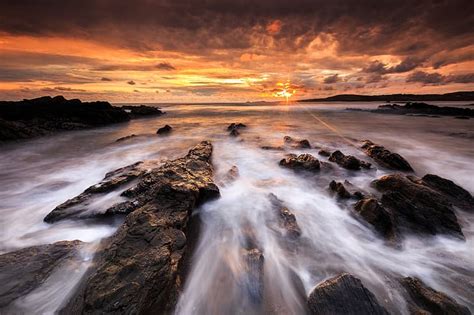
x,y
26,269
164,130
416,207
423,108
348,161
457,195
274,148
377,216
340,190
235,126
305,162
137,271
234,133
126,138
286,219
46,115
232,174
78,207
343,294
324,153
386,158
143,110
253,274
425,300
297,144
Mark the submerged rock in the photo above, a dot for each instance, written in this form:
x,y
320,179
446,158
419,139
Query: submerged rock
x,y
297,144
26,269
234,133
305,162
348,161
343,294
78,207
425,300
137,271
377,216
286,219
164,130
274,148
416,207
324,153
386,158
236,126
253,274
126,138
232,174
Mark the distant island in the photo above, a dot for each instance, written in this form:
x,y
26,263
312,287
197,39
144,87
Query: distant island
x,y
455,96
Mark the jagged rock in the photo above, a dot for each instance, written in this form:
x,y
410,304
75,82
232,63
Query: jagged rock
x,y
425,300
26,269
416,207
386,158
286,219
126,138
348,161
137,271
45,115
143,110
343,294
78,207
305,162
324,153
164,130
377,216
297,144
253,274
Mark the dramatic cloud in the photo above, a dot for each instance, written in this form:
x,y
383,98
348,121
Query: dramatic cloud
x,y
437,78
332,79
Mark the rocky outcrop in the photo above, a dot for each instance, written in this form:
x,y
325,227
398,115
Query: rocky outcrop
x,y
377,216
26,269
424,109
425,300
46,115
302,162
142,111
346,190
164,130
386,158
297,144
78,207
416,207
348,161
343,294
286,219
137,271
234,128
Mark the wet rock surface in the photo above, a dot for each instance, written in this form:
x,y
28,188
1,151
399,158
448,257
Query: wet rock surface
x,y
425,300
297,144
234,128
324,153
348,161
346,190
302,162
253,274
46,115
376,215
26,269
386,158
126,138
79,206
286,219
343,294
416,207
164,130
137,271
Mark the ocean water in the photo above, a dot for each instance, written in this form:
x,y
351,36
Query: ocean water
x,y
39,174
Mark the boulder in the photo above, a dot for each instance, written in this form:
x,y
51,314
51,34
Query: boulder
x,y
232,174
425,300
297,144
164,130
78,207
137,270
386,158
26,269
343,294
286,219
339,189
348,161
377,216
305,162
416,207
324,153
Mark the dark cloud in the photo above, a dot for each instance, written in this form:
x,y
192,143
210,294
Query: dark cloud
x,y
163,66
437,78
332,79
406,65
61,89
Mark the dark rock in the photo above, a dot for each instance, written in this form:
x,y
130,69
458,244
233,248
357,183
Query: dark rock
x,y
234,133
286,219
305,162
340,190
377,216
275,148
457,195
416,207
143,110
386,158
348,161
26,269
253,274
232,174
425,300
78,207
343,294
126,138
164,130
234,126
297,144
324,153
45,115
137,271
423,108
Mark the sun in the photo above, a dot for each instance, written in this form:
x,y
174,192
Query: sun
x,y
284,90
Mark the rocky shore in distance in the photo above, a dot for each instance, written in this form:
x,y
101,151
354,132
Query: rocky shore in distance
x,y
46,115
420,109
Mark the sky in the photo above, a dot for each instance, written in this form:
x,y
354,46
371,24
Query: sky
x,y
239,50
